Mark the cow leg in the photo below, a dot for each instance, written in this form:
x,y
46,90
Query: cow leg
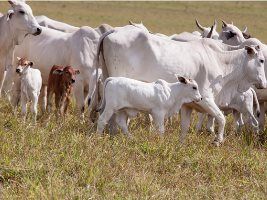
x,y
210,124
201,118
23,107
58,103
15,95
43,98
262,117
185,122
211,108
103,120
158,118
34,107
79,96
238,120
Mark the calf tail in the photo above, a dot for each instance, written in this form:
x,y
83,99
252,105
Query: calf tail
x,y
99,50
255,99
103,101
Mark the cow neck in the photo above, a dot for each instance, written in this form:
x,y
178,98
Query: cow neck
x,y
6,39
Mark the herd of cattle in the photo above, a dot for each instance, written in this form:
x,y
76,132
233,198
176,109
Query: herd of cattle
x,y
130,69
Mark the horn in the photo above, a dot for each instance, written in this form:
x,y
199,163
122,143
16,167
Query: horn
x,y
130,22
224,23
245,29
199,26
210,33
232,22
215,24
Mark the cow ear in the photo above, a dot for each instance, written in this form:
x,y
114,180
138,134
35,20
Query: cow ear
x,y
18,58
58,72
182,79
31,64
10,13
77,71
250,50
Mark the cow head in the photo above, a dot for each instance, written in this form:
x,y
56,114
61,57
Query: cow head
x,y
231,35
205,31
255,66
68,74
23,65
21,20
191,92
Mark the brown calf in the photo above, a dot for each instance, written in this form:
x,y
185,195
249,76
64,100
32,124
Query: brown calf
x,y
60,83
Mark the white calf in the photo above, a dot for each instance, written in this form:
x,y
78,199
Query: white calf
x,y
160,99
31,83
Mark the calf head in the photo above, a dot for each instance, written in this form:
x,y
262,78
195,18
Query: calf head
x,y
231,35
21,19
68,74
191,92
254,70
23,65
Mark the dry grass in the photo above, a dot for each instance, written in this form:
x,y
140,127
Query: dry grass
x,y
68,161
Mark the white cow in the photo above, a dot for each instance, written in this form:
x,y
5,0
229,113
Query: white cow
x,y
14,26
53,47
30,86
160,99
128,49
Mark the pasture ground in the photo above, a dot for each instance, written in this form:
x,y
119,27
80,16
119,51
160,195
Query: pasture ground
x,y
66,161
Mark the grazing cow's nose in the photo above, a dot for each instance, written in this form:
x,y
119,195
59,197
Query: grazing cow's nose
x,y
72,80
201,99
17,70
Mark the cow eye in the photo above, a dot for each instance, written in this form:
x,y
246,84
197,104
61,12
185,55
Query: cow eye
x,y
194,88
22,12
261,61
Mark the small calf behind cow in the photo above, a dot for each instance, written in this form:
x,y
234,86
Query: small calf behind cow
x,y
30,86
125,97
60,83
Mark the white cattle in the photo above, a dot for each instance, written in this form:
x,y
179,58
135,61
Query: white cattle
x,y
160,99
53,47
64,27
30,81
14,27
128,49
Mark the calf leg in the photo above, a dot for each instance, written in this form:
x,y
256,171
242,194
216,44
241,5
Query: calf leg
x,y
49,100
158,118
43,98
23,107
185,121
104,119
121,120
34,107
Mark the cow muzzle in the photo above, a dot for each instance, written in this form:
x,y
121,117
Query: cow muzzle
x,y
18,71
38,31
72,81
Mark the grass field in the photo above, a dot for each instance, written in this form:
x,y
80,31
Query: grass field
x,y
67,161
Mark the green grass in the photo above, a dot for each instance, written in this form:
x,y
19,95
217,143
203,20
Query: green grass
x,y
68,161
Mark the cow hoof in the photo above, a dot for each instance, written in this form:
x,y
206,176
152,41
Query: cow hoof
x,y
217,143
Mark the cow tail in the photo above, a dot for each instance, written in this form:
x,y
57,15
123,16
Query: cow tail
x,y
255,99
103,101
99,50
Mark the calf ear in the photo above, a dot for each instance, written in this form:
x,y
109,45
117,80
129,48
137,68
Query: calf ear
x,y
182,79
18,58
77,71
250,50
58,72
